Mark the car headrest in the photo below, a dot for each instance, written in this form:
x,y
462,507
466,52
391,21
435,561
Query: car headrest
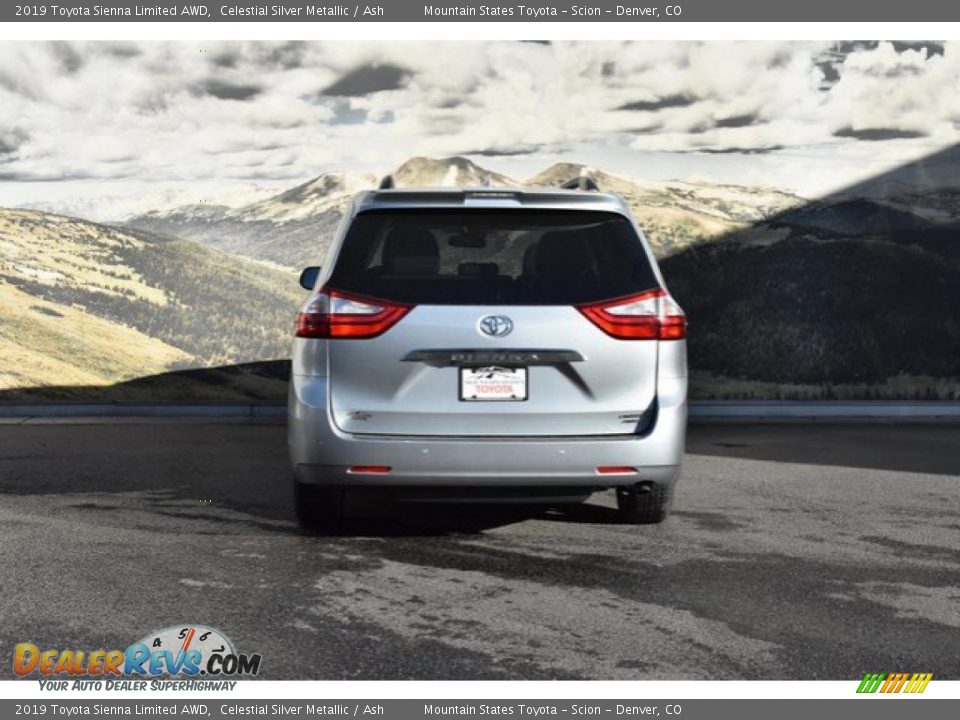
x,y
530,259
411,251
561,252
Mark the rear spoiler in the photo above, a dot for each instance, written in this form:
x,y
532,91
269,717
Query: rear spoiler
x,y
480,197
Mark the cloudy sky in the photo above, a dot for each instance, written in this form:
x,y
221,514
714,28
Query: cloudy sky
x,y
105,126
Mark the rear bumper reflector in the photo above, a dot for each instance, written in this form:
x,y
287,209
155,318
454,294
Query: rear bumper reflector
x,y
369,469
616,470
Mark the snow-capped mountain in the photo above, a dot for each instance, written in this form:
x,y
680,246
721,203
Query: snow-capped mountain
x,y
676,214
447,172
310,199
289,229
110,204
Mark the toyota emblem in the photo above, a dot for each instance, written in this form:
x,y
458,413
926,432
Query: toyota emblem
x,y
495,325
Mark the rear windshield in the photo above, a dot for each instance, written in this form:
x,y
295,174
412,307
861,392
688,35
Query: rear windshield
x,y
492,257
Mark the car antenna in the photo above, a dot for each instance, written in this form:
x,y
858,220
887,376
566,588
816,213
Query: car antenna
x,y
387,183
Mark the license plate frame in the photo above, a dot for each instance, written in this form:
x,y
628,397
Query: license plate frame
x,y
516,377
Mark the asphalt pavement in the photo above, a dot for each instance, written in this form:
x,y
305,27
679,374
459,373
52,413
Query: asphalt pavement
x,y
793,552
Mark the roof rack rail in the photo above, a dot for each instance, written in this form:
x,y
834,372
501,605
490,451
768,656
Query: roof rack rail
x,y
386,183
580,183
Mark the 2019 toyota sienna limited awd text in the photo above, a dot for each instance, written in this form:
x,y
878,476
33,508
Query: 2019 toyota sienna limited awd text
x,y
488,344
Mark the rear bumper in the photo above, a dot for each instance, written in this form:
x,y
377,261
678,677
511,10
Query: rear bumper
x,y
321,454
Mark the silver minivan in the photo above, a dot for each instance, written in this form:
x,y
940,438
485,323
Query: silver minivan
x,y
487,345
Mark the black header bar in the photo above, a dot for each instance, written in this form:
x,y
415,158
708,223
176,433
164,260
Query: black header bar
x,y
307,11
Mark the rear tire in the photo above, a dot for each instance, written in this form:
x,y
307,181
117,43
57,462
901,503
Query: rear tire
x,y
319,509
643,505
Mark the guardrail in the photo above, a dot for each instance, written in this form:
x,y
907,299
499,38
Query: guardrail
x,y
825,410
124,409
700,410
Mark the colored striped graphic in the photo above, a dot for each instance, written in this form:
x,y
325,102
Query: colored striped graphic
x,y
894,682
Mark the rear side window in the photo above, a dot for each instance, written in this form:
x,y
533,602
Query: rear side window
x,y
492,257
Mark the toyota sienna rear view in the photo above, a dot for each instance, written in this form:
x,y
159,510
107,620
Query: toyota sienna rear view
x,y
491,344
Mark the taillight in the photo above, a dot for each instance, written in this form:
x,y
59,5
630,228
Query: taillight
x,y
652,315
333,314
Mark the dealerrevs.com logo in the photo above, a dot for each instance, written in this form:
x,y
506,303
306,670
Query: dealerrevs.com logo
x,y
179,651
894,683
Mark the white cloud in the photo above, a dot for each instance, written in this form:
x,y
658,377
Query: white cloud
x,y
184,112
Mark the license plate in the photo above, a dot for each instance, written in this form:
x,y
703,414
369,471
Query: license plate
x,y
493,383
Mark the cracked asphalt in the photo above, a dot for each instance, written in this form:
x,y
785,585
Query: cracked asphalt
x,y
793,552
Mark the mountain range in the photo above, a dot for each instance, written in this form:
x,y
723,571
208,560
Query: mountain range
x,y
293,228
83,305
855,295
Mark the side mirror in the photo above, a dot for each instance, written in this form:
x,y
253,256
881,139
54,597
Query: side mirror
x,y
308,278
